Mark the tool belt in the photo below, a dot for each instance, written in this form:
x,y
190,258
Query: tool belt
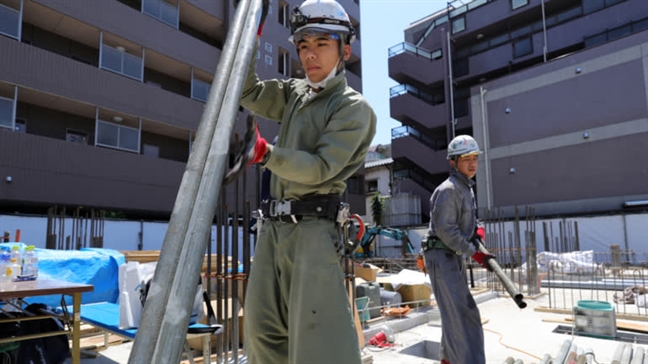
x,y
322,206
432,242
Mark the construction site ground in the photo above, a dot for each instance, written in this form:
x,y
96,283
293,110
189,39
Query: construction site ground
x,y
526,335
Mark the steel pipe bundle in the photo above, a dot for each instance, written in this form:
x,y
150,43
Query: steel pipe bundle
x,y
163,326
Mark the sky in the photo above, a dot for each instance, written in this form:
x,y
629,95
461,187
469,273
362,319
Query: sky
x,y
383,23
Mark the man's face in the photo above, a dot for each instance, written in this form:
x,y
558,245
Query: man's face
x,y
319,54
467,165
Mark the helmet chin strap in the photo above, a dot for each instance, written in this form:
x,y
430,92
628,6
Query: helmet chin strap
x,y
319,86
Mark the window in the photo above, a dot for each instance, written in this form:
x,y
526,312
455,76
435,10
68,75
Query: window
x,y
119,61
284,61
268,60
161,10
518,3
6,113
199,89
458,25
76,136
522,47
117,136
619,32
268,47
437,54
372,185
284,14
10,22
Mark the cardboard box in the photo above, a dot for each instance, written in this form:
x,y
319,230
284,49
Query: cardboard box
x,y
412,292
368,274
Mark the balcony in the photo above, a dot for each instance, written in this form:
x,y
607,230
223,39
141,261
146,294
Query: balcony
x,y
565,30
78,174
414,148
37,69
408,103
409,64
134,29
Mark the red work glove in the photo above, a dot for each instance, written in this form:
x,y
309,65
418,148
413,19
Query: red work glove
x,y
483,259
260,148
420,264
264,15
481,233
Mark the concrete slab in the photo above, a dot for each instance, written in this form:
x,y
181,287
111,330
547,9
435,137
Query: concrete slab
x,y
509,332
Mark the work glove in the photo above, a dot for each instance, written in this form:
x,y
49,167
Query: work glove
x,y
482,259
260,149
480,233
264,14
420,263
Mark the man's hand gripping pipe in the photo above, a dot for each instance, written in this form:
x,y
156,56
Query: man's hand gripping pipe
x,y
517,296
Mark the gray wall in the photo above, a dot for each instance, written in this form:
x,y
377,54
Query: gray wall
x,y
578,141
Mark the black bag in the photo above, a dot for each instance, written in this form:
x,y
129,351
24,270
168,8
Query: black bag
x,y
46,350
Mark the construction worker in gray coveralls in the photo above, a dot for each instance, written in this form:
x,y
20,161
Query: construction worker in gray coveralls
x,y
297,308
453,223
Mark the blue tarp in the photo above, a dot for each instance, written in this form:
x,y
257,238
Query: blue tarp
x,y
99,267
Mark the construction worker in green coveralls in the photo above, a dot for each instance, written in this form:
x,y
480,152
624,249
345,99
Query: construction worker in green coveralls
x,y
453,224
297,308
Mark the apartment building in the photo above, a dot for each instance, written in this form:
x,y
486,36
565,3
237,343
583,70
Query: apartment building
x,y
100,100
554,91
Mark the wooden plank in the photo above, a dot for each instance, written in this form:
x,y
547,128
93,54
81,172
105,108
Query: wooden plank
x,y
356,319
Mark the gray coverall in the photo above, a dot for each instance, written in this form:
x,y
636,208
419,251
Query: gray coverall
x,y
297,308
453,221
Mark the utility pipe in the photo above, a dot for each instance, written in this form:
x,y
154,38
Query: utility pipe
x,y
544,31
165,317
451,85
486,146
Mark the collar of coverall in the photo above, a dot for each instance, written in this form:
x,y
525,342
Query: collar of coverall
x,y
461,176
336,81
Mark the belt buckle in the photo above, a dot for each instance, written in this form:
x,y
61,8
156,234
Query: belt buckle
x,y
282,207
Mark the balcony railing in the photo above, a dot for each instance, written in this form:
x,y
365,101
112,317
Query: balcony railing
x,y
409,89
461,6
407,47
416,176
10,22
121,62
161,10
405,130
117,136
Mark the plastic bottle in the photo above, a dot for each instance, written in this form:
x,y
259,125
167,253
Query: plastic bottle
x,y
15,267
30,262
5,260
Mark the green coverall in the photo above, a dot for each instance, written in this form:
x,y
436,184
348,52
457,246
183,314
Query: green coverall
x,y
297,308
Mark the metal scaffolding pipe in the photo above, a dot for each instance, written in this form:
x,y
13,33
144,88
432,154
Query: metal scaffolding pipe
x,y
165,317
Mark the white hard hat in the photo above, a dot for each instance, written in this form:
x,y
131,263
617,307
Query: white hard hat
x,y
462,145
322,16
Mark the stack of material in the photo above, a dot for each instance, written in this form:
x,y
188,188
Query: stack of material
x,y
570,353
